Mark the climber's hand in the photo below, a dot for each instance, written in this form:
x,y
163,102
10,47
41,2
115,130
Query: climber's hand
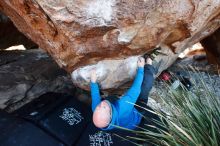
x,y
140,62
93,76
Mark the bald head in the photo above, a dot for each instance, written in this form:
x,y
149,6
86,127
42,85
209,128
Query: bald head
x,y
102,115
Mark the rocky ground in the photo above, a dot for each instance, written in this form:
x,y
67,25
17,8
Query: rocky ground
x,y
199,73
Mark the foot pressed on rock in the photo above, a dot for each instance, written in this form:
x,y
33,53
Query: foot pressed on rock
x,y
150,58
150,61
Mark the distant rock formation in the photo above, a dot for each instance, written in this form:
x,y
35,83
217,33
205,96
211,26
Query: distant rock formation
x,y
211,45
10,36
25,75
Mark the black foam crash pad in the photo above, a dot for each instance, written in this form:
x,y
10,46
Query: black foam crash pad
x,y
93,136
17,132
59,114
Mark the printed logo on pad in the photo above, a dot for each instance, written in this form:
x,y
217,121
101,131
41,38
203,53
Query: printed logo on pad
x,y
100,139
71,116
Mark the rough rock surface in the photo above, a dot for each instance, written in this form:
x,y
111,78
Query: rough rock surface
x,y
81,32
25,75
114,74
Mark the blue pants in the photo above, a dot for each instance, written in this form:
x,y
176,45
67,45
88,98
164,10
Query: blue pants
x,y
146,86
147,83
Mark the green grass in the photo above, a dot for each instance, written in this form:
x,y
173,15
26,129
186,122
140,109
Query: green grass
x,y
193,119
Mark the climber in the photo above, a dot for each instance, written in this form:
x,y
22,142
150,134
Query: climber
x,y
122,112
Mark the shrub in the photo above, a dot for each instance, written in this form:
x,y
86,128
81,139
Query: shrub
x,y
193,119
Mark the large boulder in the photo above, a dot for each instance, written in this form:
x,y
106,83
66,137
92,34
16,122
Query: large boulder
x,y
114,74
84,32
